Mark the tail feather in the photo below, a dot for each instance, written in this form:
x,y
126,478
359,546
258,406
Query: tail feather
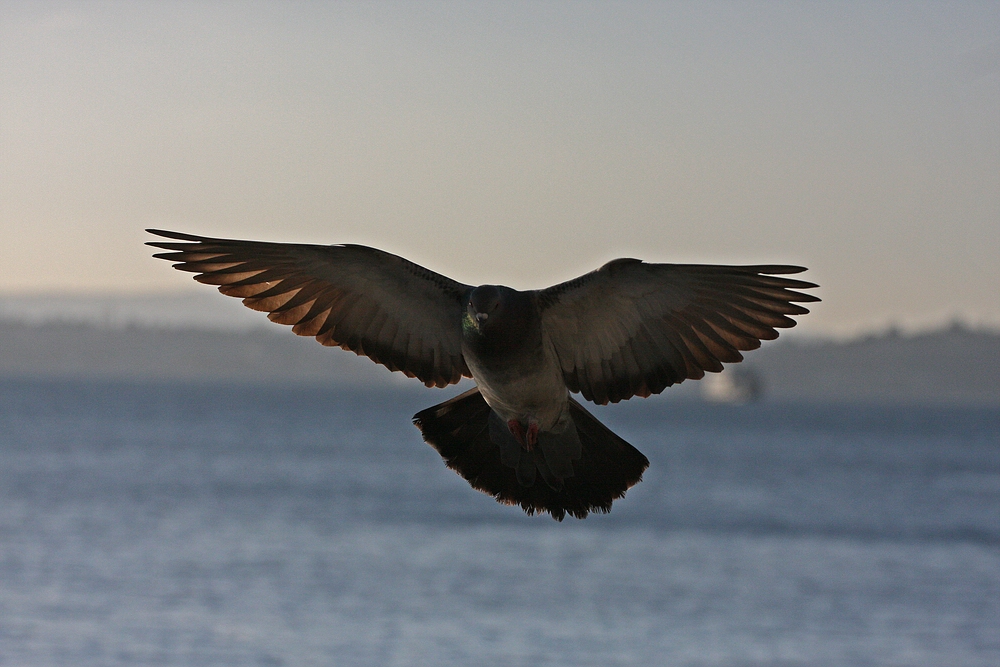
x,y
459,429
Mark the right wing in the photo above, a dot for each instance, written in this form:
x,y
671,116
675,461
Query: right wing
x,y
393,311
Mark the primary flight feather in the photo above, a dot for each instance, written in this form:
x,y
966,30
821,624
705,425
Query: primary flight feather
x,y
627,329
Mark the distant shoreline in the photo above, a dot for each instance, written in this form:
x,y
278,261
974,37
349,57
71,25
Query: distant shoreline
x,y
953,366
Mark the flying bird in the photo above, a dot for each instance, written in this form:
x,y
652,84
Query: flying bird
x,y
628,329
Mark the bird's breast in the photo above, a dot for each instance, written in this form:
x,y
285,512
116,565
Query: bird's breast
x,y
522,386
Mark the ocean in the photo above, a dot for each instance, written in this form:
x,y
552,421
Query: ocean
x,y
204,525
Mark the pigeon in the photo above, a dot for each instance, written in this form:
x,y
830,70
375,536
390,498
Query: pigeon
x,y
630,328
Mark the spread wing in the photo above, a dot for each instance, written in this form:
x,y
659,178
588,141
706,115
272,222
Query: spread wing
x,y
393,311
633,329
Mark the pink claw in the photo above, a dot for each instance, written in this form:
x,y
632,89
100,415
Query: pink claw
x,y
528,440
516,430
531,438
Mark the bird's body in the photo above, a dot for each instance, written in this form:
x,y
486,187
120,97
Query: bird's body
x,y
627,329
514,366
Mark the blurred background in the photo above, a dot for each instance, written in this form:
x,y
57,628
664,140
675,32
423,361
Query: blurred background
x,y
184,483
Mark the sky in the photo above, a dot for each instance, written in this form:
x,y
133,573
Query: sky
x,y
514,143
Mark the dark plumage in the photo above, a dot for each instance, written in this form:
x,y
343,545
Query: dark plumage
x,y
626,329
460,430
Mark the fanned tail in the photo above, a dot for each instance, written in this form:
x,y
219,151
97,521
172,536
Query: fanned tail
x,y
606,468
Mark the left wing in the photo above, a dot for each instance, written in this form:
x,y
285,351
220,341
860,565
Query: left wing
x,y
633,329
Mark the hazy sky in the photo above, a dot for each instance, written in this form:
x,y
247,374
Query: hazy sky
x,y
515,143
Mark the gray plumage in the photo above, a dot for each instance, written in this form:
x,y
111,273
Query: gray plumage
x,y
627,329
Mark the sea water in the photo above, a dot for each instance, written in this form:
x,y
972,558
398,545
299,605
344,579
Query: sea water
x,y
146,524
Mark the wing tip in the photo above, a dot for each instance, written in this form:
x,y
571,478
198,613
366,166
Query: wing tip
x,y
780,269
177,236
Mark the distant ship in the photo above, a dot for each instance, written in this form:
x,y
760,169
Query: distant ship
x,y
735,385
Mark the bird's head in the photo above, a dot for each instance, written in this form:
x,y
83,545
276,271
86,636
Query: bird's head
x,y
500,318
485,302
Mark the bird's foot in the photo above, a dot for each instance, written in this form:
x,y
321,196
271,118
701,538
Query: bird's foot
x,y
531,437
527,438
516,430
